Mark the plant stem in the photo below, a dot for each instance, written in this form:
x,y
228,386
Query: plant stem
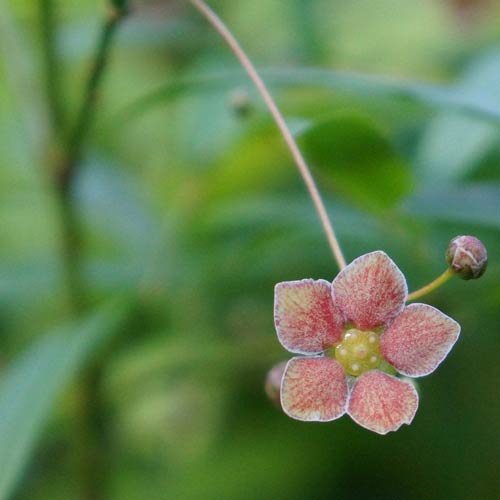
x,y
440,280
67,162
88,106
304,170
89,446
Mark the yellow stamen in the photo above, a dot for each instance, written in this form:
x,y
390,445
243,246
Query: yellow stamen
x,y
358,351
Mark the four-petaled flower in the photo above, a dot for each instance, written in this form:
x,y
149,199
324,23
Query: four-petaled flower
x,y
357,333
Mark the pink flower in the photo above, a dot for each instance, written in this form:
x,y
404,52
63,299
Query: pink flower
x,y
356,333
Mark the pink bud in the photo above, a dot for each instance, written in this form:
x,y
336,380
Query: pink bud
x,y
273,382
467,257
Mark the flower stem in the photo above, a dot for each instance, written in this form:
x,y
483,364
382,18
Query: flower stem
x,y
440,280
304,170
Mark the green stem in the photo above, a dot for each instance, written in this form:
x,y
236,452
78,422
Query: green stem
x,y
89,446
440,280
86,113
67,163
70,250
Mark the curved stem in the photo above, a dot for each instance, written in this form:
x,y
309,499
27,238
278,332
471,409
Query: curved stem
x,y
440,280
228,37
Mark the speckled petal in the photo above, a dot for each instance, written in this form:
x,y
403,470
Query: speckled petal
x,y
418,340
306,319
370,291
314,389
382,403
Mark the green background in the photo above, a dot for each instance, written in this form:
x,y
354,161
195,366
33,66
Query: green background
x,y
190,210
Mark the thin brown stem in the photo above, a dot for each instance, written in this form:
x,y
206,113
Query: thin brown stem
x,y
304,170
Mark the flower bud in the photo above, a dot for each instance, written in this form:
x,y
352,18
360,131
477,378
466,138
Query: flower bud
x,y
273,382
467,257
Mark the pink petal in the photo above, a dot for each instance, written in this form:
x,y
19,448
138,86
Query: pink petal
x,y
314,389
370,291
418,340
306,319
382,403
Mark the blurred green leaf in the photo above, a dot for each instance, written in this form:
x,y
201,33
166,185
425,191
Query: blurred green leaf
x,y
371,86
118,222
18,64
309,39
251,215
33,382
258,162
358,160
454,144
473,204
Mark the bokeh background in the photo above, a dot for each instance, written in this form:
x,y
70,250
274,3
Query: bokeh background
x,y
136,323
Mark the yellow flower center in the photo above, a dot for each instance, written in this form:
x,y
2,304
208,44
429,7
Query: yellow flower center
x,y
358,351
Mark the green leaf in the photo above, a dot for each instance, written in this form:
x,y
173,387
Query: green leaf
x,y
259,161
447,97
309,40
25,98
477,204
453,145
358,160
33,382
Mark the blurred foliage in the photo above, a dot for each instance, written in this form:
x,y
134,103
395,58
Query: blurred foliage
x,y
35,380
195,211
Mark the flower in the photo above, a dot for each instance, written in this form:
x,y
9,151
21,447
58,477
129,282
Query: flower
x,y
356,333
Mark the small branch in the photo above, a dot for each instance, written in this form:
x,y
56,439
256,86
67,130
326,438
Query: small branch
x,y
67,162
88,106
225,33
440,280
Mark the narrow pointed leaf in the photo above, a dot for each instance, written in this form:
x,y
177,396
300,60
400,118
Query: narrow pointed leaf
x,y
32,383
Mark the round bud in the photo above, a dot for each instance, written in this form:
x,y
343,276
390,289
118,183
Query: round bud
x,y
467,257
273,382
